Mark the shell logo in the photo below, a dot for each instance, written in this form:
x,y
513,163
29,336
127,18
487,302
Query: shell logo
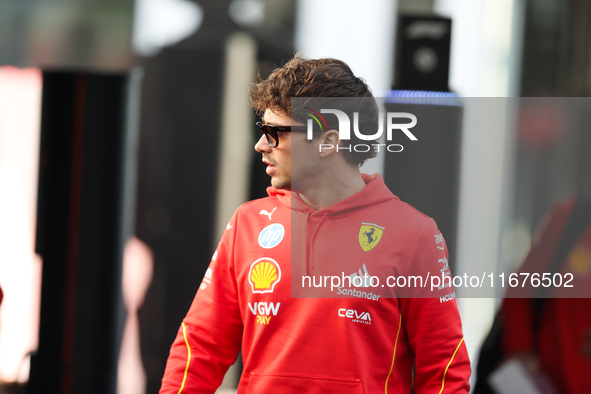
x,y
264,274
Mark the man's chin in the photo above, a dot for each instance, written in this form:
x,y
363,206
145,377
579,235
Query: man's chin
x,y
280,183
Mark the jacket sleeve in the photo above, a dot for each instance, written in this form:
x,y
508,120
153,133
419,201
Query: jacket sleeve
x,y
209,338
432,321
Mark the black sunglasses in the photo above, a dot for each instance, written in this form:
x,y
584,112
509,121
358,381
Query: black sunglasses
x,y
271,132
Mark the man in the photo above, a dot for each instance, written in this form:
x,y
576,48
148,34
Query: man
x,y
321,215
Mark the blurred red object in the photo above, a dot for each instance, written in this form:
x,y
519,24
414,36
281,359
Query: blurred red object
x,y
541,125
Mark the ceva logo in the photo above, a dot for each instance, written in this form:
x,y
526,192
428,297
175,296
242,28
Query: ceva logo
x,y
345,129
356,317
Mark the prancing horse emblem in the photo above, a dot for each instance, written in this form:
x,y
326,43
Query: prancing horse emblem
x,y
370,235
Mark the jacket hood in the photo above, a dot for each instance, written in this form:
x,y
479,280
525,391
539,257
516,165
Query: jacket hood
x,y
374,192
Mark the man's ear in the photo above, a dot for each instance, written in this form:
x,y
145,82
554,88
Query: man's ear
x,y
329,141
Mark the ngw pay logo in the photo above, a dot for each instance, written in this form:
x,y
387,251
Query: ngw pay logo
x,y
264,310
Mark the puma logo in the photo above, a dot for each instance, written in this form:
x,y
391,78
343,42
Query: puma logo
x,y
264,212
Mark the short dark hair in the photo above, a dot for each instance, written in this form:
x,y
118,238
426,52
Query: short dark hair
x,y
326,77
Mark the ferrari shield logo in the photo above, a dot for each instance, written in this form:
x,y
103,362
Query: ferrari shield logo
x,y
370,235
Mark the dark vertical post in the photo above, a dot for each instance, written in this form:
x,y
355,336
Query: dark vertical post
x,y
426,174
85,212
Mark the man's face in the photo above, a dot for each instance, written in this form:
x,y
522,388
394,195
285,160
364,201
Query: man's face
x,y
278,159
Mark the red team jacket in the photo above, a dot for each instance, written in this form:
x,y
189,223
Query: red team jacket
x,y
361,341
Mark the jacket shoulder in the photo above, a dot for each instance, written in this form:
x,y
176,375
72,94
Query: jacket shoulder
x,y
256,206
407,215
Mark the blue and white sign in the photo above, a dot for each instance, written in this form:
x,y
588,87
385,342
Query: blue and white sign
x,y
271,236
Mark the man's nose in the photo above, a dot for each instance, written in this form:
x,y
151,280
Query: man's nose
x,y
262,145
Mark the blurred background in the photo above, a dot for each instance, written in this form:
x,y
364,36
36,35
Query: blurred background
x,y
126,143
